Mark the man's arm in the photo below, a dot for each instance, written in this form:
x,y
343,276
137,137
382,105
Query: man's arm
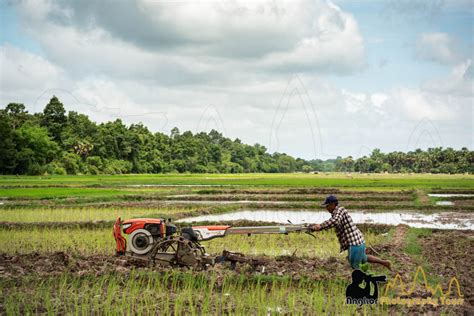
x,y
335,218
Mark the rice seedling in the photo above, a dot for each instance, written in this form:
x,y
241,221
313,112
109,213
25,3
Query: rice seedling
x,y
88,214
175,292
99,241
76,241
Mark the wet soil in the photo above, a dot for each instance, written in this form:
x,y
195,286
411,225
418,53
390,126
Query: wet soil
x,y
463,203
446,254
17,266
452,254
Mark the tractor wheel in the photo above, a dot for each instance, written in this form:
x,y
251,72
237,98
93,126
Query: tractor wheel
x,y
177,251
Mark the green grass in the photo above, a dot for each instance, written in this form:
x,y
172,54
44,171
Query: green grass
x,y
412,247
52,192
379,181
177,293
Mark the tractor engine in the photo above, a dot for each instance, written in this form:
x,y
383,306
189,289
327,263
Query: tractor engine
x,y
143,234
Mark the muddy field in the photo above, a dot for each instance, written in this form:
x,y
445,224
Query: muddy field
x,y
57,254
453,250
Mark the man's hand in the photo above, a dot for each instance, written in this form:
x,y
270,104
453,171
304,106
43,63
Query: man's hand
x,y
316,227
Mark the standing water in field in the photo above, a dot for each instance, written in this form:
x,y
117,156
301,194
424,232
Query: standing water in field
x,y
446,220
449,195
444,203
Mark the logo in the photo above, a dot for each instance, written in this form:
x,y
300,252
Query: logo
x,y
364,288
397,293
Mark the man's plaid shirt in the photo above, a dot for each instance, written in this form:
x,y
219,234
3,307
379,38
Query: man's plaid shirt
x,y
346,231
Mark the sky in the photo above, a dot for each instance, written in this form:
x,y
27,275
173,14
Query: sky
x,y
313,79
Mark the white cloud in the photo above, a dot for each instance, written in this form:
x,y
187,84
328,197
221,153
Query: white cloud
x,y
182,43
447,100
364,103
459,83
378,99
417,105
334,34
24,75
355,102
438,47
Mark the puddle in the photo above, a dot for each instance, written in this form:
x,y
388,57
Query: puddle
x,y
444,203
449,195
446,220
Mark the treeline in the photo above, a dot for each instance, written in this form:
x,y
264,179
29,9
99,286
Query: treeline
x,y
433,160
56,142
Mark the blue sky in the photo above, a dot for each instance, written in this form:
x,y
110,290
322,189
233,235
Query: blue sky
x,y
389,36
12,33
314,79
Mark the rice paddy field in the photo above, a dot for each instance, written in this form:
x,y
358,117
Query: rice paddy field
x,y
57,253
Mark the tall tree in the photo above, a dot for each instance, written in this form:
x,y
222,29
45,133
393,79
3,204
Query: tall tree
x,y
8,150
17,114
54,118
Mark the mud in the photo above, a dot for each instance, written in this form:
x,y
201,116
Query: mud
x,y
399,236
452,254
463,203
447,253
13,266
17,266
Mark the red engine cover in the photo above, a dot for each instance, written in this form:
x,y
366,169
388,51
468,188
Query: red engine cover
x,y
138,223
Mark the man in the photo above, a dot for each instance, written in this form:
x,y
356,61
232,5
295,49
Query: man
x,y
349,236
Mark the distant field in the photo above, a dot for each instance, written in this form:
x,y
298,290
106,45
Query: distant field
x,y
338,180
295,191
45,192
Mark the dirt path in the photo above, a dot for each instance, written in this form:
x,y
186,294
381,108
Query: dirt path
x,y
399,236
395,250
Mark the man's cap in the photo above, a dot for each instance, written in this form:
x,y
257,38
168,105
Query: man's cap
x,y
329,199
